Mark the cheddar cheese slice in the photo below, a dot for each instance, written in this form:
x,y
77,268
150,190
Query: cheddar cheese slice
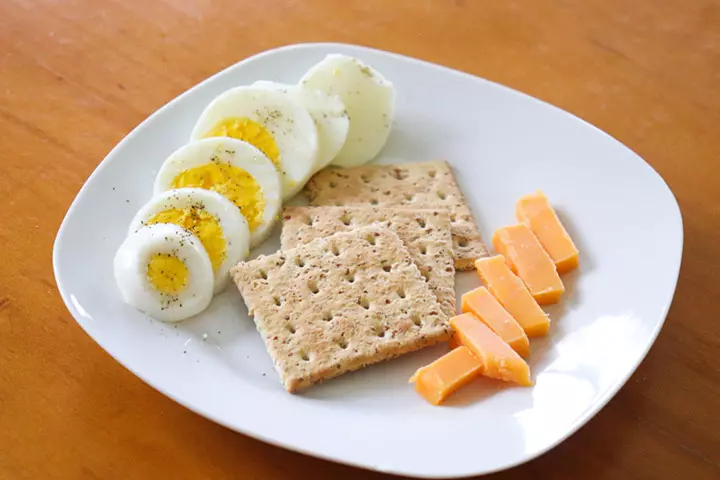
x,y
484,306
435,382
497,358
513,295
527,258
535,211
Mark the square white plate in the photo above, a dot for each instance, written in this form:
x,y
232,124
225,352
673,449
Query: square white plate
x,y
501,144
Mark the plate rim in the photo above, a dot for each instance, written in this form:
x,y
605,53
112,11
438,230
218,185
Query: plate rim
x,y
580,421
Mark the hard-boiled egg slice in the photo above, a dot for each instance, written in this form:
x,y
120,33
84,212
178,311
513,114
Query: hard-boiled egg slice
x,y
212,218
234,169
369,99
164,271
275,123
329,114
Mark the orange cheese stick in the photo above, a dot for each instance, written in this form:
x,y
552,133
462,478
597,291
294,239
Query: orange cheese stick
x,y
483,305
435,382
530,262
497,358
535,211
513,295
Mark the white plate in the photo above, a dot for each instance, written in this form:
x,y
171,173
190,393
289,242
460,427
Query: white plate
x,y
501,144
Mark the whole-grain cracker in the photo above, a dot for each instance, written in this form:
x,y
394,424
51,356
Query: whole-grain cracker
x,y
415,185
425,233
330,306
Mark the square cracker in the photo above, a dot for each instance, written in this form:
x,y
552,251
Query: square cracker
x,y
416,185
333,306
425,233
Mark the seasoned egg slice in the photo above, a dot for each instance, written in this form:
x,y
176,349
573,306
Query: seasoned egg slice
x,y
164,271
212,218
329,114
234,169
369,99
274,123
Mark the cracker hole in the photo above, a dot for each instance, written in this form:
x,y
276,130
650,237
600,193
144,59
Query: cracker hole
x,y
371,239
401,292
409,197
305,356
453,218
421,222
397,174
417,321
277,301
346,219
263,274
334,249
299,262
387,268
333,184
374,201
380,331
387,192
327,316
338,204
291,329
423,249
350,277
363,302
365,178
342,344
442,195
426,276
463,242
432,173
312,285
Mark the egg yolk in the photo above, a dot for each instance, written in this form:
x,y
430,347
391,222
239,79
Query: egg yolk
x,y
204,225
231,182
251,132
167,273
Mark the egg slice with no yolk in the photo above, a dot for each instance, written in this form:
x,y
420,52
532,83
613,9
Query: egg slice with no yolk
x,y
369,99
329,114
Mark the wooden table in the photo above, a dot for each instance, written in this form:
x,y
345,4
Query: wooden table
x,y
77,75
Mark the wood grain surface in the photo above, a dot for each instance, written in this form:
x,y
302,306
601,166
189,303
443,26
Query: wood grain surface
x,y
77,75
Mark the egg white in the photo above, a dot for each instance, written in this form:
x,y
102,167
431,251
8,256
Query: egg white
x,y
330,117
238,154
233,224
288,122
369,99
130,268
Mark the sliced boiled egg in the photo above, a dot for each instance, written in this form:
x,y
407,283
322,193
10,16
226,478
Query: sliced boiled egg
x,y
236,170
271,121
164,271
329,114
212,218
369,99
